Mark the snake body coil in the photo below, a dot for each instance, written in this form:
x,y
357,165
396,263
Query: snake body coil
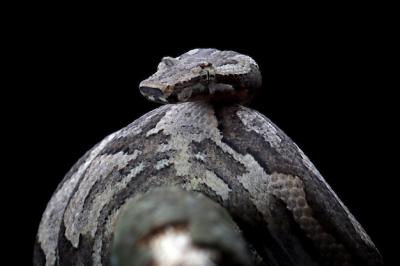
x,y
234,155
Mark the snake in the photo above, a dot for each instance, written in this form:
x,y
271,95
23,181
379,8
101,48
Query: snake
x,y
204,139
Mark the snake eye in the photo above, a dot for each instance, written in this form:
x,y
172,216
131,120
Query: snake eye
x,y
169,61
161,66
205,75
166,62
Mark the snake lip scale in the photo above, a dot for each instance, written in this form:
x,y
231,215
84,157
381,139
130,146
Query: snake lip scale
x,y
203,139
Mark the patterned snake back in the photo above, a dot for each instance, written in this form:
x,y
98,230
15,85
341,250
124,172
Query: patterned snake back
x,y
230,153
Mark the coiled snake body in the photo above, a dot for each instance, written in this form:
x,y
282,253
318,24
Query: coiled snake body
x,y
203,140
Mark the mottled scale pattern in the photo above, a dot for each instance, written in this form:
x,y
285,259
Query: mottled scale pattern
x,y
290,189
232,154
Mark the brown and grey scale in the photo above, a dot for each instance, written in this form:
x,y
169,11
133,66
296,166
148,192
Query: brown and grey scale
x,y
234,155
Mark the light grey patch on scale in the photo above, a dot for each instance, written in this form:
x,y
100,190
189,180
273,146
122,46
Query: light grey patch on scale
x,y
245,59
251,120
255,180
178,122
99,168
217,185
162,99
243,64
215,52
105,197
51,221
232,68
212,181
200,156
137,126
162,164
193,51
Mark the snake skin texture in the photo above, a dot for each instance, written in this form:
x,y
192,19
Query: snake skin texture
x,y
206,142
232,154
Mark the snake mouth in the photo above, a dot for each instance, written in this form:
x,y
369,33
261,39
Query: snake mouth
x,y
153,94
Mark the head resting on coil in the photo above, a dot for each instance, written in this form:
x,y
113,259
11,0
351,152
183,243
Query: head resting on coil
x,y
203,75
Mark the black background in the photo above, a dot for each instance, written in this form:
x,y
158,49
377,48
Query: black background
x,y
74,77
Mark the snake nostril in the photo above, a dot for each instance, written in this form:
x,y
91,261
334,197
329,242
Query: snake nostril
x,y
150,91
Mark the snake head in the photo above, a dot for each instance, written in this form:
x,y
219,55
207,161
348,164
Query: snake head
x,y
203,75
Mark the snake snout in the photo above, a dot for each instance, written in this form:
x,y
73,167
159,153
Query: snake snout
x,y
151,91
153,94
